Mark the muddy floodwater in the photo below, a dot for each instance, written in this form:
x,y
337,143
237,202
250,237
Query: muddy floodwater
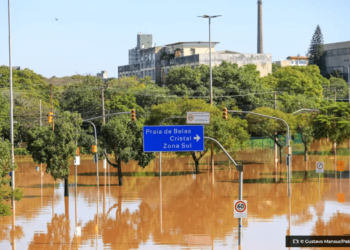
x,y
183,210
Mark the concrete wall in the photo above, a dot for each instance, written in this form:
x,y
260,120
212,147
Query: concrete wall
x,y
263,62
145,40
283,63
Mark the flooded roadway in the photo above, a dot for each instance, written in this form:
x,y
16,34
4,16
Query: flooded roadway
x,y
183,210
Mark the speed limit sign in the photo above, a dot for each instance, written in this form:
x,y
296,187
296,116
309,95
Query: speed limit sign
x,y
240,209
319,167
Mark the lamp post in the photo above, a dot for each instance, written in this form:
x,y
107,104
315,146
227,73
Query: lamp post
x,y
11,102
210,69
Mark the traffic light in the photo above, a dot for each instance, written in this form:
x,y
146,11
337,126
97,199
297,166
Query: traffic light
x,y
49,117
224,113
94,148
133,115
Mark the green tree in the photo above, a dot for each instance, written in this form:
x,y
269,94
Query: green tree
x,y
297,87
316,50
83,97
275,67
231,133
55,148
260,125
228,80
29,89
338,85
124,138
6,166
306,130
333,122
123,102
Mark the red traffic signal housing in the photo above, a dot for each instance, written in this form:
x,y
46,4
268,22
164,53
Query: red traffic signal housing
x,y
224,113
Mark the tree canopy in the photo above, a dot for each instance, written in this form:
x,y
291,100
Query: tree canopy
x,y
55,148
333,122
124,139
231,133
316,50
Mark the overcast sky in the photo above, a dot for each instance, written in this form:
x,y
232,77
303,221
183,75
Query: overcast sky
x,y
91,36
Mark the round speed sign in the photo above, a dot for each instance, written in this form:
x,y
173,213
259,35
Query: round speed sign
x,y
240,207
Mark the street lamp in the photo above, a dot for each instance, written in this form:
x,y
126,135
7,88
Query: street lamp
x,y
210,71
11,104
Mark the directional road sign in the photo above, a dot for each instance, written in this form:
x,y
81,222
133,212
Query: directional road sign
x,y
198,118
319,167
240,208
178,138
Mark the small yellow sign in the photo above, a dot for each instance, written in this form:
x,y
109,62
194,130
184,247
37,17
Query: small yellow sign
x,y
341,165
341,197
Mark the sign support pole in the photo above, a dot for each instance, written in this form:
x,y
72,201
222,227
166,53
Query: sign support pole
x,y
240,198
160,153
160,165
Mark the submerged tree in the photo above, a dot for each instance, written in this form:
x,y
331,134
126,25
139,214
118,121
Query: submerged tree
x,y
306,130
333,122
316,50
6,166
55,148
230,133
124,139
270,127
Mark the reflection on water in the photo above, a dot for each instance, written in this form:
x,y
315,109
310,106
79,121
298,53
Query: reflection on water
x,y
182,210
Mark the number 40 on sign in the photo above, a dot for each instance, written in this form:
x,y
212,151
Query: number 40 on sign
x,y
240,209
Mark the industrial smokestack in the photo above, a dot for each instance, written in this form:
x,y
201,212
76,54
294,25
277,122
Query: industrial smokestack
x,y
260,29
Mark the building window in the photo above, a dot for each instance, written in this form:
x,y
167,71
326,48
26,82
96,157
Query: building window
x,y
292,62
192,51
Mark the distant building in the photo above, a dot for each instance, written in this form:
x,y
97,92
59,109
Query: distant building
x,y
103,75
337,56
294,61
155,61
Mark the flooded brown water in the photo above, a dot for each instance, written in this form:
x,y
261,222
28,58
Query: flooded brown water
x,y
183,210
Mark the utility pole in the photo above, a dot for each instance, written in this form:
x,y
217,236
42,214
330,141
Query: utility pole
x,y
276,149
40,114
103,105
53,120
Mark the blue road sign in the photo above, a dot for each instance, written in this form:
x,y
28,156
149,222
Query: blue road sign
x,y
178,138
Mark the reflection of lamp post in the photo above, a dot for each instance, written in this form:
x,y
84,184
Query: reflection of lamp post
x,y
210,69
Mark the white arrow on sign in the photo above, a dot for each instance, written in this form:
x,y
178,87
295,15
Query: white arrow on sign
x,y
197,138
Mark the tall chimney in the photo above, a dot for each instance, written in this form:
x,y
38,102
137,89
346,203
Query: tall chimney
x,y
260,29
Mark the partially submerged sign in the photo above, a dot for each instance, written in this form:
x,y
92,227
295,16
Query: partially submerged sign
x,y
319,167
240,208
198,118
341,165
180,138
341,197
